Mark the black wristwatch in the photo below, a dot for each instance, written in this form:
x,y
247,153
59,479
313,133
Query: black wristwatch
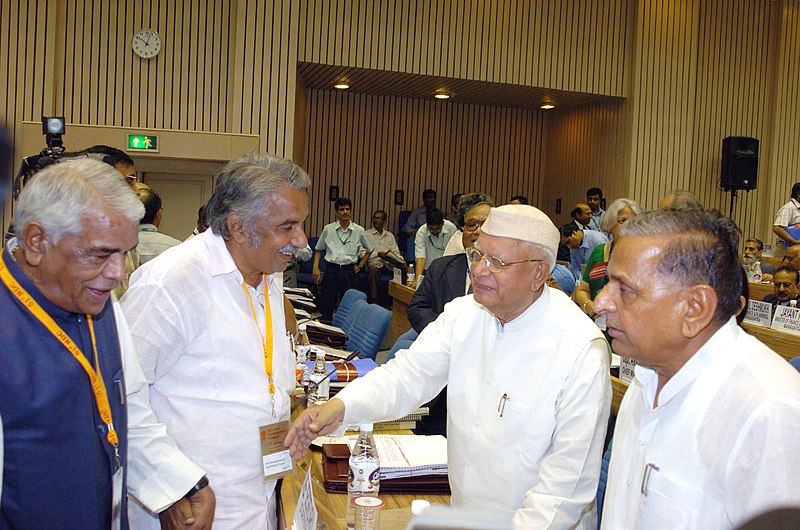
x,y
202,483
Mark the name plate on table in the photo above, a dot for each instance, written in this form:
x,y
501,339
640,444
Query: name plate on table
x,y
759,313
787,319
626,366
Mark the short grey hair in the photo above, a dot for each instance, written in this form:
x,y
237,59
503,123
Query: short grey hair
x,y
700,248
611,216
467,202
246,184
59,196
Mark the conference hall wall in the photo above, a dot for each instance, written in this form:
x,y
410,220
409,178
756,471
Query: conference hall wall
x,y
691,73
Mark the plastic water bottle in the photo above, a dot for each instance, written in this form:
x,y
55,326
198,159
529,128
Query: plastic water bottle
x,y
302,347
321,385
364,478
410,279
757,273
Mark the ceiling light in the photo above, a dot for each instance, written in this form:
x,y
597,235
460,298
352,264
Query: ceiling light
x,y
442,95
341,86
547,106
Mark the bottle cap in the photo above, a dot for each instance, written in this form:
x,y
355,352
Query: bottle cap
x,y
418,506
367,427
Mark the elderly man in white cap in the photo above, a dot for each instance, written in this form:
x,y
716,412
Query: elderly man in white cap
x,y
528,383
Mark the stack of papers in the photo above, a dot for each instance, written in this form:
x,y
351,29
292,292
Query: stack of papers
x,y
324,334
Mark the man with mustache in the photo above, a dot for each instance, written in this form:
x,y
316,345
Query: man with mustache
x,y
208,321
528,387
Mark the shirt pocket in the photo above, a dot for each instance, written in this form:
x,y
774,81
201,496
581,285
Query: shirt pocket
x,y
670,503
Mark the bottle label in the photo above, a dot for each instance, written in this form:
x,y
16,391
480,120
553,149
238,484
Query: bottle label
x,y
364,476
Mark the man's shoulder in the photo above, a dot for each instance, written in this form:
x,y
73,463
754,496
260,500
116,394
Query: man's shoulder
x,y
440,265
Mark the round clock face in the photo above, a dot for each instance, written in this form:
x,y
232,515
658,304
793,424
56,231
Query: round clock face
x,y
146,43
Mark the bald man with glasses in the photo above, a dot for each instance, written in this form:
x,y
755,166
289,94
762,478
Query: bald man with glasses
x,y
528,386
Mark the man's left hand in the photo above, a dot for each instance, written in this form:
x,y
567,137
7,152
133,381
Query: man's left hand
x,y
196,513
356,268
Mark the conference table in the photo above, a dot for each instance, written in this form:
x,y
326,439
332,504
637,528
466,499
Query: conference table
x,y
331,507
401,296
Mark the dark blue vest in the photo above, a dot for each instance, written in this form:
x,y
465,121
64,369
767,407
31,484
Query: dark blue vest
x,y
58,466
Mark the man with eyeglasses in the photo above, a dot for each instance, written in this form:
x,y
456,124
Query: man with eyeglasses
x,y
528,386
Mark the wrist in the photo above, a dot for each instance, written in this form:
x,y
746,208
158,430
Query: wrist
x,y
202,483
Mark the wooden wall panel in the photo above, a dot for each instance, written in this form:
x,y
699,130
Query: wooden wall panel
x,y
586,147
561,44
371,145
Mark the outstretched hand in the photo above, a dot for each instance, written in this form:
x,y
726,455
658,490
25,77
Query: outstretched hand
x,y
313,422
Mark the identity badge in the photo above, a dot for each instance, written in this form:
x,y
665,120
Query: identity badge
x,y
276,462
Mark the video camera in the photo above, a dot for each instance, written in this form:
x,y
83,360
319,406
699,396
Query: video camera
x,y
52,128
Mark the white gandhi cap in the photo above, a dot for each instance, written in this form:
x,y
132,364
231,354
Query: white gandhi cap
x,y
525,223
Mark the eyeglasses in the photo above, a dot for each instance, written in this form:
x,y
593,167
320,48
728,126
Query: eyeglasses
x,y
493,263
472,225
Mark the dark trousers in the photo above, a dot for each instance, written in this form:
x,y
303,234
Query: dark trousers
x,y
335,282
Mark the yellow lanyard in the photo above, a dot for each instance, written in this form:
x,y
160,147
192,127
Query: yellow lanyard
x,y
266,338
95,377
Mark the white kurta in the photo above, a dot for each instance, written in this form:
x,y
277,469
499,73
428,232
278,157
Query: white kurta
x,y
542,456
722,442
202,354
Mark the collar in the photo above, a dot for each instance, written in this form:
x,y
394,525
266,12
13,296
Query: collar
x,y
532,312
796,204
220,262
147,228
339,226
713,352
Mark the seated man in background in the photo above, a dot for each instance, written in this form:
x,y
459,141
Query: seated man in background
x,y
151,241
466,203
706,435
431,240
756,269
580,243
340,242
518,199
785,282
419,215
528,383
385,254
792,257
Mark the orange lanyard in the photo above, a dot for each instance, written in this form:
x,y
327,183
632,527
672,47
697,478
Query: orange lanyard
x,y
95,377
266,338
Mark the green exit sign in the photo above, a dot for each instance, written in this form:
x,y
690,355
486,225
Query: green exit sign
x,y
138,142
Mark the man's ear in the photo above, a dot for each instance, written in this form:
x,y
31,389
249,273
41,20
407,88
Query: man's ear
x,y
35,243
541,271
237,228
698,306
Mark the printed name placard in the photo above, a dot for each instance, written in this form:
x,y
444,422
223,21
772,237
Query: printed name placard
x,y
759,313
787,319
305,514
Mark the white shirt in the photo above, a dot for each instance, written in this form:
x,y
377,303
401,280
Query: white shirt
x,y
152,242
381,242
542,457
429,247
723,440
202,354
788,215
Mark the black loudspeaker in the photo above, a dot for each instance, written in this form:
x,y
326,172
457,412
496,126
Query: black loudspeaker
x,y
739,163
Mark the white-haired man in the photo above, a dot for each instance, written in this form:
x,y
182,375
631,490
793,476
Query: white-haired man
x,y
77,423
528,385
207,319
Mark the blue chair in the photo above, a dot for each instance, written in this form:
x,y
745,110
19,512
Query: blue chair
x,y
340,317
403,342
601,486
369,323
796,363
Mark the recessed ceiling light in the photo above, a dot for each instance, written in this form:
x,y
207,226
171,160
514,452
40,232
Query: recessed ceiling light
x,y
341,86
442,96
547,106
